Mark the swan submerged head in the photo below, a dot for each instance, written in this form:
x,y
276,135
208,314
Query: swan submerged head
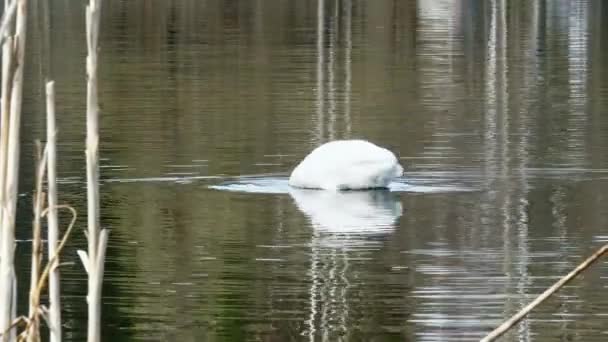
x,y
346,165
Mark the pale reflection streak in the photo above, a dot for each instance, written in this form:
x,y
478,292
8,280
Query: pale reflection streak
x,y
348,39
327,105
314,249
577,79
342,223
441,319
437,29
331,94
320,136
490,99
495,141
314,287
514,199
510,197
557,200
530,73
577,13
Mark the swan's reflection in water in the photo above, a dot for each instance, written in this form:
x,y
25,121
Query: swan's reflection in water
x,y
349,213
347,227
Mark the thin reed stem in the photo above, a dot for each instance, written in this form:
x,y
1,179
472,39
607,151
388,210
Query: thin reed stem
x,y
503,328
33,332
97,239
8,281
52,219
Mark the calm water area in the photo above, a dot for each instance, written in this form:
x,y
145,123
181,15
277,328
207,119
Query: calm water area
x,y
496,109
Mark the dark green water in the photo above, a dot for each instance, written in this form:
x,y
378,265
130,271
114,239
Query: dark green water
x,y
503,99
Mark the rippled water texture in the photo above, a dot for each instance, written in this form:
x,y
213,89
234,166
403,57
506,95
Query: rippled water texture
x,y
496,109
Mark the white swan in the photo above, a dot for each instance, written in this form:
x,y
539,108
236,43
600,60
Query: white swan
x,y
346,165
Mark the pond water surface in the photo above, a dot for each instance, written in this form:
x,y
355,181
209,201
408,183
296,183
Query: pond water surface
x,y
496,109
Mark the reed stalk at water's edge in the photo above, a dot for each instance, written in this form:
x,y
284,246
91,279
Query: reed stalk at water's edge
x,y
97,238
54,314
8,202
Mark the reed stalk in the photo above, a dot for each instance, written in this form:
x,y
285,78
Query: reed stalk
x,y
33,331
8,280
54,315
93,261
7,18
5,104
7,69
36,293
7,60
503,328
13,50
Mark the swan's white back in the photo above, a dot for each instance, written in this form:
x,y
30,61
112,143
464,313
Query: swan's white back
x,y
346,165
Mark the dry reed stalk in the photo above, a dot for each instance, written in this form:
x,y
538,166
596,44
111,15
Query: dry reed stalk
x,y
54,319
92,140
35,294
8,280
33,332
7,18
7,69
21,320
503,328
7,61
93,261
